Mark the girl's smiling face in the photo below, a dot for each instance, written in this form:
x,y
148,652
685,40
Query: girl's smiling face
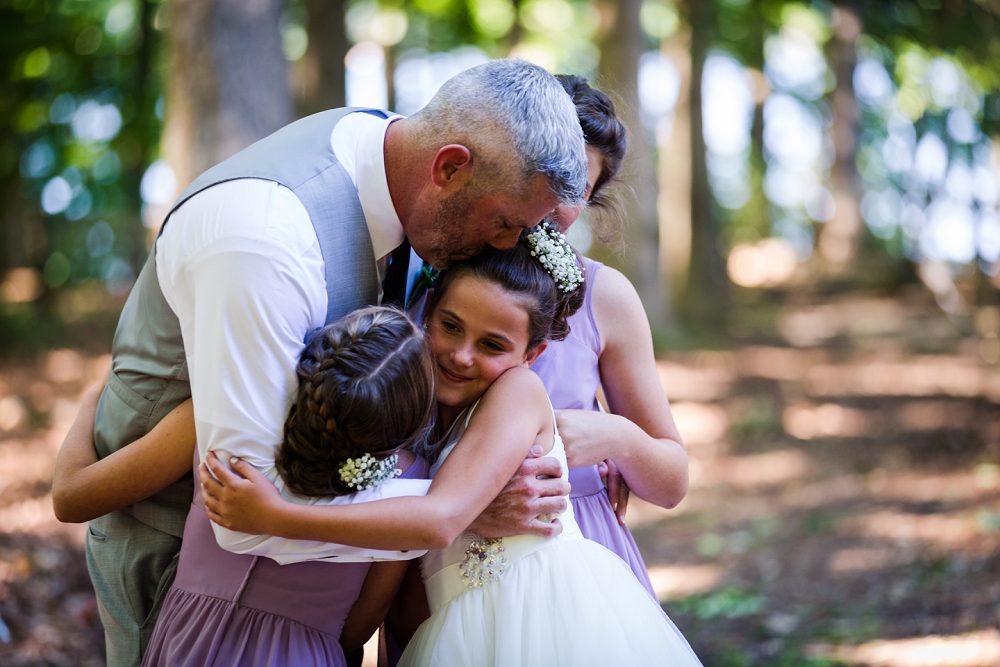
x,y
477,331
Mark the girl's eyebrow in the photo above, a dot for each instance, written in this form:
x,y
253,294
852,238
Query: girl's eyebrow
x,y
499,336
490,334
452,315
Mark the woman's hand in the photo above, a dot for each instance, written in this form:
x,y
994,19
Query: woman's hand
x,y
589,436
618,491
247,502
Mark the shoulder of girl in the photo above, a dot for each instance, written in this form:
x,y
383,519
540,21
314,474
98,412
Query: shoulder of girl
x,y
522,382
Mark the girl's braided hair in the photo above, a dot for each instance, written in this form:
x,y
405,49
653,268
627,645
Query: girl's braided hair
x,y
366,385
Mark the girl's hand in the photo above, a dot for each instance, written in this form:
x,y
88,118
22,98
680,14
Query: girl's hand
x,y
246,502
589,436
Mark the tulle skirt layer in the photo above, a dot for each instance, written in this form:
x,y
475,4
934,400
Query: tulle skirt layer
x,y
571,604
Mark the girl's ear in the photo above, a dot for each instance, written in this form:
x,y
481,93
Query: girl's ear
x,y
535,352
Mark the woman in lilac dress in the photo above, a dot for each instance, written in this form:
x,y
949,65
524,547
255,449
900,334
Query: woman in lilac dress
x,y
610,346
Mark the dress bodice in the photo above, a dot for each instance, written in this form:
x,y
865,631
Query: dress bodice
x,y
442,568
569,370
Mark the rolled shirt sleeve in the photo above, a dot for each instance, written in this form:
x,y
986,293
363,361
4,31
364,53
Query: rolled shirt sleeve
x,y
241,268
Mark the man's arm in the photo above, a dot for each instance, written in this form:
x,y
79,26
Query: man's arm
x,y
240,266
535,490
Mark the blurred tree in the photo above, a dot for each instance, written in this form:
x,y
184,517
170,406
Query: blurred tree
x,y
228,81
323,62
622,42
78,125
706,294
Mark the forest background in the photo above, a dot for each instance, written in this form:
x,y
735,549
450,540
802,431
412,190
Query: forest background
x,y
811,219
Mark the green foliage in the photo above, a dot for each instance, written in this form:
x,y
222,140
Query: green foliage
x,y
78,125
730,602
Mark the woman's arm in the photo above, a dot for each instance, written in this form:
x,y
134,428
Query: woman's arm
x,y
512,415
377,593
84,488
639,435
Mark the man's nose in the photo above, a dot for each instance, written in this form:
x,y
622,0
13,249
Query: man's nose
x,y
506,239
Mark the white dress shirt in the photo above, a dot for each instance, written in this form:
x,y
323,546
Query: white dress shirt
x,y
241,267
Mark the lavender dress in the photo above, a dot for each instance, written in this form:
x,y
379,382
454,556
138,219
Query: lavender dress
x,y
239,610
571,376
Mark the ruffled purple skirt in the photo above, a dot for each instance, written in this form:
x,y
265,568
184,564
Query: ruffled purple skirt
x,y
598,522
234,610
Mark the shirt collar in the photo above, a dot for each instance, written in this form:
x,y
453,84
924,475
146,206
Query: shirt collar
x,y
373,187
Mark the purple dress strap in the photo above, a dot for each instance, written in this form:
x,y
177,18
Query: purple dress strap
x,y
240,610
569,369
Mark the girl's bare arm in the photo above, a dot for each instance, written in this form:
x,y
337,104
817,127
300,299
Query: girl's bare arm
x,y
512,415
377,593
85,487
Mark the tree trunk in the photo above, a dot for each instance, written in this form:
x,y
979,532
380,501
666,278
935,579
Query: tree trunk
x,y
228,82
323,62
618,73
706,298
674,204
838,240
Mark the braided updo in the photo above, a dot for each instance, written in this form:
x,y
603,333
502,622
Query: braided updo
x,y
366,385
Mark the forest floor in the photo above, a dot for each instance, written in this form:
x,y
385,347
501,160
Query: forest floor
x,y
844,505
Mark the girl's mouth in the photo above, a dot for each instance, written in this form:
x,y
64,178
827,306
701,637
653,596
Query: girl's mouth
x,y
453,377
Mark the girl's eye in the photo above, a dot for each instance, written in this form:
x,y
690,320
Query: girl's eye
x,y
450,327
492,347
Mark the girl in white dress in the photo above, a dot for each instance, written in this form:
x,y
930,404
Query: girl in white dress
x,y
523,600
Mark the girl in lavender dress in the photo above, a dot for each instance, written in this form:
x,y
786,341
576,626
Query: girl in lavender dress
x,y
366,388
610,346
522,600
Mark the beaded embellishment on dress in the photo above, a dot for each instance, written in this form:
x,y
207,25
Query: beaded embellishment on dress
x,y
484,561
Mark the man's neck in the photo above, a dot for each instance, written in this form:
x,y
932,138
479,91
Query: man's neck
x,y
402,160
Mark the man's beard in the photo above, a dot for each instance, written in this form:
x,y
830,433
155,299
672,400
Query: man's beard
x,y
451,223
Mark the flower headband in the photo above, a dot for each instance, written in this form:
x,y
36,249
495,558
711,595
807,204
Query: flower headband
x,y
556,256
367,471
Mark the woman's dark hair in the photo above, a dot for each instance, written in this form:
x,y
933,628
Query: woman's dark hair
x,y
366,385
517,271
603,131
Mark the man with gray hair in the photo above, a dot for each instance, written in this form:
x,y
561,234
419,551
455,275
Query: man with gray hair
x,y
291,233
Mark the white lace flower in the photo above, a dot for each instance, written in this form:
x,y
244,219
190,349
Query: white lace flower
x,y
367,471
556,256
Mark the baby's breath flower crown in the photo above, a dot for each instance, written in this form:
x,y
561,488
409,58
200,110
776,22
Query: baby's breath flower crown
x,y
367,471
556,256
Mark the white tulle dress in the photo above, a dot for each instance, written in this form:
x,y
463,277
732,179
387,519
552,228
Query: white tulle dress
x,y
527,601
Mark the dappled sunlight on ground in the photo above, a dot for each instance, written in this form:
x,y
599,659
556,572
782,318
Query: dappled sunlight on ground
x,y
973,649
844,505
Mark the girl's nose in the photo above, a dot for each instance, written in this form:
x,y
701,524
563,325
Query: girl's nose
x,y
462,355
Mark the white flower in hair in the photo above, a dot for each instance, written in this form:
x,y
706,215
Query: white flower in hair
x,y
556,256
367,471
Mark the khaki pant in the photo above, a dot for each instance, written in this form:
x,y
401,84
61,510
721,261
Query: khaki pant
x,y
132,566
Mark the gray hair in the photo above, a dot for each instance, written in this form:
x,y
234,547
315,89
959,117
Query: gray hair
x,y
510,105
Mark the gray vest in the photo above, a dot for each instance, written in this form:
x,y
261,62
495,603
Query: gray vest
x,y
149,375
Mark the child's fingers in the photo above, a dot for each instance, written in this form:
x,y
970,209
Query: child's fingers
x,y
209,485
248,471
221,471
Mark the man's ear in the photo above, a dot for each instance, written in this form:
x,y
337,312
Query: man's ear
x,y
452,166
535,352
